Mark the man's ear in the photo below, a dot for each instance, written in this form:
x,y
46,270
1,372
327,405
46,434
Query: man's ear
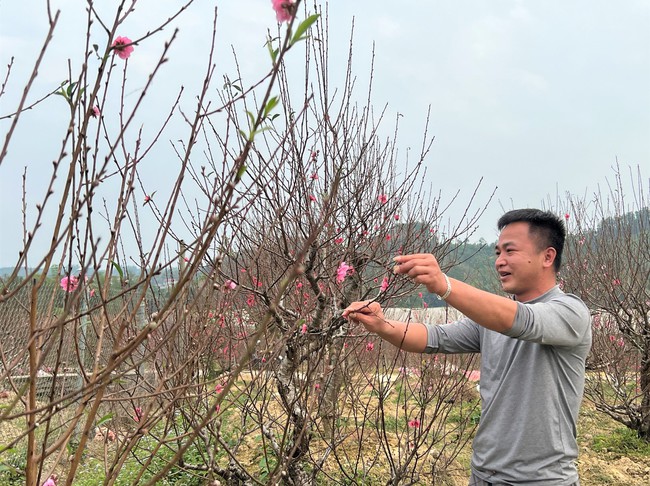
x,y
549,256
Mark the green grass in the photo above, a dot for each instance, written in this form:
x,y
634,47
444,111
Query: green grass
x,y
622,441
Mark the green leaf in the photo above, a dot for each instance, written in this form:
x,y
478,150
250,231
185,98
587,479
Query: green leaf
x,y
272,52
241,172
70,89
259,130
106,418
251,119
231,84
243,134
119,270
303,27
272,103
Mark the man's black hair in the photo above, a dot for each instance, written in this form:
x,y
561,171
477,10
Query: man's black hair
x,y
547,228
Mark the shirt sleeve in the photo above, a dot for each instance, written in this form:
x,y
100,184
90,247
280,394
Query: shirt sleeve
x,y
462,336
559,322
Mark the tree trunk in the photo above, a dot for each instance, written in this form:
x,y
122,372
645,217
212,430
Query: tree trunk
x,y
331,388
644,382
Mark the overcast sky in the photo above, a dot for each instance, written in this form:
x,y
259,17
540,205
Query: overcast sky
x,y
537,98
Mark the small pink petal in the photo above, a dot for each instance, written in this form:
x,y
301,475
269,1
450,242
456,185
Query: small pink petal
x,y
123,47
284,10
342,271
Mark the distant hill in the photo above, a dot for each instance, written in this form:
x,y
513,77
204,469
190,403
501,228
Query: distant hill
x,y
6,271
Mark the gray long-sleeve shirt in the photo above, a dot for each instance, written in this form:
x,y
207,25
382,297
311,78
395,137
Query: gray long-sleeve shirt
x,y
532,381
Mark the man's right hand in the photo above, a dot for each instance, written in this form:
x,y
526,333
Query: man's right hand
x,y
368,313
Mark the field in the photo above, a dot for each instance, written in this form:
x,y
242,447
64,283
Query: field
x,y
609,455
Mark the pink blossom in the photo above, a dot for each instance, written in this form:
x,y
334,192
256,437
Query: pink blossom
x,y
414,424
298,285
338,240
370,346
314,176
473,375
317,386
250,300
566,216
69,284
284,11
217,408
420,294
95,112
387,237
230,285
312,198
138,414
92,292
616,282
123,46
384,285
342,272
303,329
218,388
51,481
383,198
396,217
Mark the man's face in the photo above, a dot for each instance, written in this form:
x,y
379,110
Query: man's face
x,y
520,263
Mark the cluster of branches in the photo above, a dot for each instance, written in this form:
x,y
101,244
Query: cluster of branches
x,y
608,265
244,344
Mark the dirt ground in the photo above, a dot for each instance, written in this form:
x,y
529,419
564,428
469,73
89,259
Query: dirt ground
x,y
607,467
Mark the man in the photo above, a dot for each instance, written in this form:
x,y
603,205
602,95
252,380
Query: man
x,y
533,348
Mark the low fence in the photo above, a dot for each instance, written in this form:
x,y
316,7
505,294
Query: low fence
x,y
70,334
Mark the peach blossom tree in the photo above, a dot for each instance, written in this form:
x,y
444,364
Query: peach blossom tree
x,y
608,255
182,322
